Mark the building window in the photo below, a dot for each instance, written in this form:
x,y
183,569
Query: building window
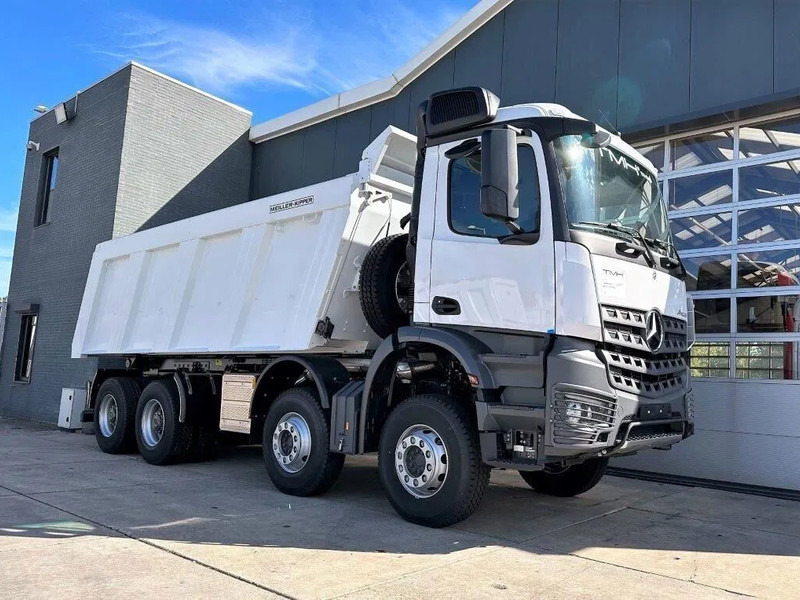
x,y
734,207
47,187
27,338
465,215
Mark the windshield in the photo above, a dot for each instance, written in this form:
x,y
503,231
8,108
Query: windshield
x,y
607,190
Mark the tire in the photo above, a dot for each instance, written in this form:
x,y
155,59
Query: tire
x,y
431,417
174,441
116,402
306,467
575,480
382,272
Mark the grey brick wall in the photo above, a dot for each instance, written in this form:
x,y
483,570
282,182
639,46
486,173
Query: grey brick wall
x,y
143,150
51,262
185,153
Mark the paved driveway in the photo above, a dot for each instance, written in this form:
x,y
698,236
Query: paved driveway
x,y
76,523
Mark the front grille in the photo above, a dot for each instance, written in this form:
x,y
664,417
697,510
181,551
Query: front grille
x,y
632,365
581,419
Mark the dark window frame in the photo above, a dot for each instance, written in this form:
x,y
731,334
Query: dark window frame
x,y
537,224
26,344
49,177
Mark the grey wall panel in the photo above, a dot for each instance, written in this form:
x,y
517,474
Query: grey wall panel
x,y
352,136
439,77
529,52
319,144
479,58
394,111
278,165
586,77
787,45
732,45
654,60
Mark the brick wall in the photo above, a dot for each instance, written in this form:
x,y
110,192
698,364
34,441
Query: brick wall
x,y
143,150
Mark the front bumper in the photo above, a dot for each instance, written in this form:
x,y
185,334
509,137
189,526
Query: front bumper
x,y
591,416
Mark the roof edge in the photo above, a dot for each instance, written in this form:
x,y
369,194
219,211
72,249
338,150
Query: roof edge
x,y
381,89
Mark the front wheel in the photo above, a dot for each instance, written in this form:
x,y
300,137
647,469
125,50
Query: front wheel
x,y
567,481
296,445
430,461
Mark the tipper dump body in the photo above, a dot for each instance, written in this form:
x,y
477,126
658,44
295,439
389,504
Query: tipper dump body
x,y
257,277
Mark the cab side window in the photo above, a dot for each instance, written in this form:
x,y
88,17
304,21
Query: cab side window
x,y
465,196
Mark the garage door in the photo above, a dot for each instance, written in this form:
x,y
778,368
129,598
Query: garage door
x,y
734,201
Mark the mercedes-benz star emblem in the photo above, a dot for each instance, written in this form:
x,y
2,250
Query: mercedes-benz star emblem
x,y
654,330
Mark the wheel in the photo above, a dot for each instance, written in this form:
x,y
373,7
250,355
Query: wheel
x,y
567,481
161,438
114,415
430,461
386,285
295,445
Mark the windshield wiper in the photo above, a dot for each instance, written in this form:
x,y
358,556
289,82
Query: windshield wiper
x,y
632,231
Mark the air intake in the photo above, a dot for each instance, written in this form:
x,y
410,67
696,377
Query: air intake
x,y
463,108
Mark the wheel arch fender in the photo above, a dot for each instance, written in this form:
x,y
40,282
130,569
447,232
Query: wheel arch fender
x,y
461,345
326,374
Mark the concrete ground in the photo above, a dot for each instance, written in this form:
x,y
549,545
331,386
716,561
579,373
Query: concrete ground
x,y
77,523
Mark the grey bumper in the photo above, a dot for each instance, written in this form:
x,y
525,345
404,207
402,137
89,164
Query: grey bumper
x,y
588,416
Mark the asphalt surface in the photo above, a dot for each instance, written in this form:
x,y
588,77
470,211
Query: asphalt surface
x,y
77,523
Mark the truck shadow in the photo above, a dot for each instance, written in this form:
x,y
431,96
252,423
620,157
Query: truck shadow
x,y
230,502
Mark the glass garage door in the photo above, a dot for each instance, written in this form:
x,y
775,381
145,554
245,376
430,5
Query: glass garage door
x,y
734,201
734,205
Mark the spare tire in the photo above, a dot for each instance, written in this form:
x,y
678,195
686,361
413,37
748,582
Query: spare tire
x,y
387,290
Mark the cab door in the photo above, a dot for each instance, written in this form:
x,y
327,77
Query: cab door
x,y
475,281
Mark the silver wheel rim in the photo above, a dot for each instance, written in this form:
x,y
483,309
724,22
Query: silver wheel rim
x,y
152,425
108,415
403,287
291,442
420,461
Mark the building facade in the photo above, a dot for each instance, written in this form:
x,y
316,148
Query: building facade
x,y
138,150
708,89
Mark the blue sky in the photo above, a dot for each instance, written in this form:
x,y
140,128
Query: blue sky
x,y
270,56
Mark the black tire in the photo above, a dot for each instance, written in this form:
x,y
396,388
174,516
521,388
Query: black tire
x,y
377,281
175,440
317,468
467,477
572,481
124,393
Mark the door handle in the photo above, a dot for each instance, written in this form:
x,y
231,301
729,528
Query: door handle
x,y
446,306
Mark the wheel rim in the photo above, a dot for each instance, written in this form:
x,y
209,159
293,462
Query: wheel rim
x,y
420,460
152,425
403,287
108,413
291,442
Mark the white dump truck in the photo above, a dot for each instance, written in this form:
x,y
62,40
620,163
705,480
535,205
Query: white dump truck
x,y
501,290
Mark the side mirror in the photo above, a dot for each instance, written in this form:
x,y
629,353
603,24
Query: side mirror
x,y
499,175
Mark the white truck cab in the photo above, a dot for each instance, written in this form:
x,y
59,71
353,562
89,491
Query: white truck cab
x,y
502,290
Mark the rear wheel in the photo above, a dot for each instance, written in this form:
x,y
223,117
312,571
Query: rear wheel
x,y
567,481
161,437
296,445
114,415
386,285
430,461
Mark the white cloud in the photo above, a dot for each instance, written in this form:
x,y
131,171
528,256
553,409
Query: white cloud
x,y
296,44
8,219
5,276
